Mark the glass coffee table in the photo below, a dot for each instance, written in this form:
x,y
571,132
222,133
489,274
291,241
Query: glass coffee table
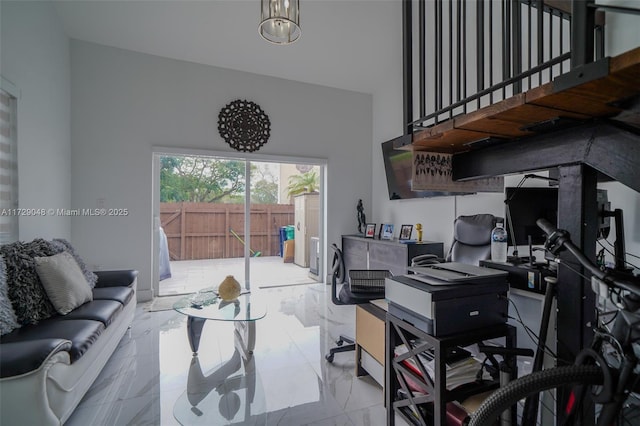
x,y
207,305
230,393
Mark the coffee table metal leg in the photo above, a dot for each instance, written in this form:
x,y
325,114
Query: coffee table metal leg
x,y
194,331
246,337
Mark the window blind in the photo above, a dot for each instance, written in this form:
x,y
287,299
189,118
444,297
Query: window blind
x,y
8,168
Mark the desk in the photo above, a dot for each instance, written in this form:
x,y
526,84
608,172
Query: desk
x,y
398,331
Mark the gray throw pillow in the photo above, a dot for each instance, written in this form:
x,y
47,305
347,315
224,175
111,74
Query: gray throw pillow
x,y
63,281
8,320
29,299
66,246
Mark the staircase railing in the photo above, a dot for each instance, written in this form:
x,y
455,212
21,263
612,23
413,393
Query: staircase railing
x,y
471,54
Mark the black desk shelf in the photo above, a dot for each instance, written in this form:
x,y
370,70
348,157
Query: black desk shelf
x,y
437,395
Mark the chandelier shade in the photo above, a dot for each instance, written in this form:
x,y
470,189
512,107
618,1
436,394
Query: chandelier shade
x,y
280,21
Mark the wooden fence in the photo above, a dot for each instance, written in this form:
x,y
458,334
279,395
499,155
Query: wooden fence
x,y
203,230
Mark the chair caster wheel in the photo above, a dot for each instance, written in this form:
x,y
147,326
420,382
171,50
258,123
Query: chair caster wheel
x,y
339,342
329,357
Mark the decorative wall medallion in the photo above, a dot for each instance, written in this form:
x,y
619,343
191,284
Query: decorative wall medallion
x,y
244,125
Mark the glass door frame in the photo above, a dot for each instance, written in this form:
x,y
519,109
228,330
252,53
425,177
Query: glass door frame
x,y
160,151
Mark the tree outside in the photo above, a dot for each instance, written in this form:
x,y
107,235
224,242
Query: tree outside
x,y
212,180
303,183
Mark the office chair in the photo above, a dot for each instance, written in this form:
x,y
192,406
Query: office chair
x,y
348,296
471,241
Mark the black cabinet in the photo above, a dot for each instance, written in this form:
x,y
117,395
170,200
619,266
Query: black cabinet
x,y
392,255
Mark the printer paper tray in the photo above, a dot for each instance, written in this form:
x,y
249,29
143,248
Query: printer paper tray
x,y
454,273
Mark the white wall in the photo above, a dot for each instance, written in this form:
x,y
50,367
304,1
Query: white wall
x,y
35,58
124,103
437,214
622,34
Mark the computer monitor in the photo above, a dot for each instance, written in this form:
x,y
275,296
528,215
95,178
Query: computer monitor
x,y
526,206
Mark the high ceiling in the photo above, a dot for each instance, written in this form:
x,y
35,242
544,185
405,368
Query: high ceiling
x,y
348,44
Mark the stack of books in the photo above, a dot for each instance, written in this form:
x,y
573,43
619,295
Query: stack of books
x,y
461,366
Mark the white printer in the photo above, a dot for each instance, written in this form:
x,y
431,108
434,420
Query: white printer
x,y
449,298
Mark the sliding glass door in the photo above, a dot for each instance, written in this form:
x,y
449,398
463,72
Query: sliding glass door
x,y
216,216
202,222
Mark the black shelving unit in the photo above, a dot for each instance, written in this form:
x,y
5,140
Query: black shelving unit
x,y
429,409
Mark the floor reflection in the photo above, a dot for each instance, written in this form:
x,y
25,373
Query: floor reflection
x,y
153,379
231,393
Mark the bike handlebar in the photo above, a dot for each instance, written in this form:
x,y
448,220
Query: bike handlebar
x,y
546,226
557,239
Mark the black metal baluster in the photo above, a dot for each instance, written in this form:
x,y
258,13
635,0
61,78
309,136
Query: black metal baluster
x,y
491,51
450,58
599,34
458,43
517,44
464,57
505,46
422,49
480,47
529,50
407,65
551,16
540,37
560,44
438,61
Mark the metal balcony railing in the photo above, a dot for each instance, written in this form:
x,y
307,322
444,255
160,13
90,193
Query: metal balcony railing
x,y
468,54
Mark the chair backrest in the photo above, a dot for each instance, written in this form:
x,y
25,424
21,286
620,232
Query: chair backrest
x,y
368,290
472,238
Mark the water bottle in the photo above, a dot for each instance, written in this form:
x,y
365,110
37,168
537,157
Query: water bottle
x,y
499,243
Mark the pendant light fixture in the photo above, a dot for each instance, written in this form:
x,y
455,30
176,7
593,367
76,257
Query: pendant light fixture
x,y
280,21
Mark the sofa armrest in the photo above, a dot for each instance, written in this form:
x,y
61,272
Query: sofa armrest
x,y
121,278
18,358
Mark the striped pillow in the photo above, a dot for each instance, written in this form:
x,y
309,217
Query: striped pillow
x,y
63,281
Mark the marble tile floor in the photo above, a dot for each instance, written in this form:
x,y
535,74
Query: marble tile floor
x,y
286,382
188,276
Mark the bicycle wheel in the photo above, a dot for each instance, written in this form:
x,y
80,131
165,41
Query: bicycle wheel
x,y
514,393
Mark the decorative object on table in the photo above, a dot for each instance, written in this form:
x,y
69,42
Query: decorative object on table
x,y
405,232
280,21
229,288
244,125
432,172
419,231
386,231
236,305
370,230
362,219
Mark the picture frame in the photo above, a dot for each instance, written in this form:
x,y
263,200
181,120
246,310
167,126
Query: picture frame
x,y
370,230
405,232
386,231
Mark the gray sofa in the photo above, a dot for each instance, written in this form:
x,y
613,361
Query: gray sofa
x,y
46,367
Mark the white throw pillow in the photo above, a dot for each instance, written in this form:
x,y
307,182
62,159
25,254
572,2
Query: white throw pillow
x,y
63,281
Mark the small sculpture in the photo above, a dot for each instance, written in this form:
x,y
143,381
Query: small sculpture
x,y
229,288
419,231
362,220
